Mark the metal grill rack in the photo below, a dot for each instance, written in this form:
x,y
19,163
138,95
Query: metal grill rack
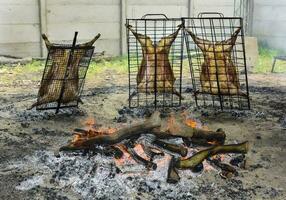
x,y
64,74
216,52
155,50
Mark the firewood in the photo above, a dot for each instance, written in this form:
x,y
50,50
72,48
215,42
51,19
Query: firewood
x,y
161,128
128,132
204,137
172,147
226,174
147,163
199,157
79,130
223,166
173,176
176,127
151,152
117,152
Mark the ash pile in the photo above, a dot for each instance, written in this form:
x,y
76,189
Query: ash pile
x,y
142,167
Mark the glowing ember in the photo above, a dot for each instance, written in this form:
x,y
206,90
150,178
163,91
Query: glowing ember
x,y
207,166
125,159
163,162
222,157
213,142
140,151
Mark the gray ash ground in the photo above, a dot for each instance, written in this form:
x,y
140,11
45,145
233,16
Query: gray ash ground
x,y
28,139
98,177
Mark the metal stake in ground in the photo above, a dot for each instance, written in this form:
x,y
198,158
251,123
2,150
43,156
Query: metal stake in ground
x,y
66,72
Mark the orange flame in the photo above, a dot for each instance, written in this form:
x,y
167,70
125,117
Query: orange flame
x,y
191,122
91,132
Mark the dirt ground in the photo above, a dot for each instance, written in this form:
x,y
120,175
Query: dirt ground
x,y
24,132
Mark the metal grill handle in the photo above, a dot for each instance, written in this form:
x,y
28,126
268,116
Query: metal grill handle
x,y
210,13
162,15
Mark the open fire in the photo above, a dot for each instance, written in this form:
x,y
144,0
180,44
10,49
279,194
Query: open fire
x,y
174,141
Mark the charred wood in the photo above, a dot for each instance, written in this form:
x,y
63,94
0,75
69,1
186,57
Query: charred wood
x,y
227,170
173,176
179,149
148,164
151,152
237,161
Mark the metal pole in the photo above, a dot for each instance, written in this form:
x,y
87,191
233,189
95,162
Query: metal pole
x,y
66,72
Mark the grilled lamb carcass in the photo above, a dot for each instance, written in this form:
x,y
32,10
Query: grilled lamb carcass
x,y
156,58
218,73
55,76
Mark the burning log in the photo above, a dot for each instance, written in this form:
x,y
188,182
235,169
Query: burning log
x,y
173,176
161,128
177,127
199,157
125,133
172,147
108,151
208,137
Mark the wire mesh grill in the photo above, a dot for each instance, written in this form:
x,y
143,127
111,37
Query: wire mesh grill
x,y
216,52
63,76
155,48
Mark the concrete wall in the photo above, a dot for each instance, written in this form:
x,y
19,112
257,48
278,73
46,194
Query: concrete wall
x,y
19,27
222,6
23,21
89,17
269,22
